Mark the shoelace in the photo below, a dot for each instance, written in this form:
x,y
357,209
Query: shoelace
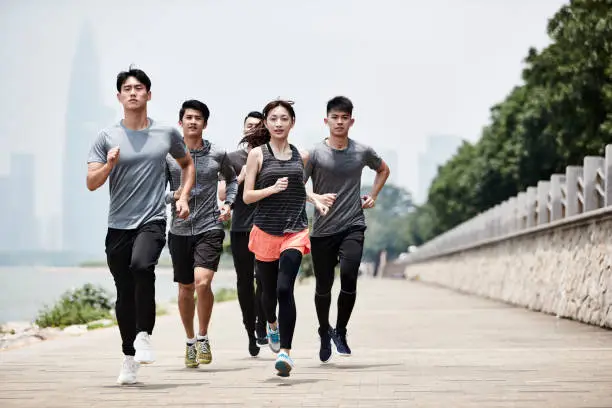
x,y
191,352
204,346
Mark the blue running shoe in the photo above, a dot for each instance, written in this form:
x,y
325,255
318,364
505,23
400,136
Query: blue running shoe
x,y
283,364
273,338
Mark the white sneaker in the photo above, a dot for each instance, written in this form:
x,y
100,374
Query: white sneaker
x,y
144,350
128,372
273,338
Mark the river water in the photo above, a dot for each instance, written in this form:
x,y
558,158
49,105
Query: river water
x,y
24,290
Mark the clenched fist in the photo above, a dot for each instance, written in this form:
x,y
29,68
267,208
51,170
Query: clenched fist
x,y
112,157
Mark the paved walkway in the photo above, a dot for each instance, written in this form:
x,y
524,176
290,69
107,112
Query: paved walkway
x,y
413,346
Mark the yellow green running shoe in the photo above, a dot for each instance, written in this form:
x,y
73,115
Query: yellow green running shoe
x,y
204,353
191,356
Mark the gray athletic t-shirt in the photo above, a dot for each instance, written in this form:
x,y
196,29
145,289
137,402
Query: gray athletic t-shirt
x,y
210,162
137,183
339,171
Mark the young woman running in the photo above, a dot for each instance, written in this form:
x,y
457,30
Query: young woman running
x,y
279,237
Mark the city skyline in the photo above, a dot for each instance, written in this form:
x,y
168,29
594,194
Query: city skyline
x,y
84,213
412,70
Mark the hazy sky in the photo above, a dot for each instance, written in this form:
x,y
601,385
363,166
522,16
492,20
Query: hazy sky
x,y
412,68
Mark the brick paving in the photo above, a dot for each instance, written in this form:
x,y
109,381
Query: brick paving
x,y
413,346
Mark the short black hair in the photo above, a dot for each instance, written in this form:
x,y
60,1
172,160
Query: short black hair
x,y
340,104
195,105
253,114
139,74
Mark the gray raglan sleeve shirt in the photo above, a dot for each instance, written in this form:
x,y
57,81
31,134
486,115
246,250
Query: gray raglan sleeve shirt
x,y
231,181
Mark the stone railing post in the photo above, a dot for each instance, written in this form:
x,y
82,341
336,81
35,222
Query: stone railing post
x,y
530,206
556,198
542,209
572,173
521,211
592,164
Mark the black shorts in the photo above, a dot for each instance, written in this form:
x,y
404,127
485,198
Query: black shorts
x,y
192,251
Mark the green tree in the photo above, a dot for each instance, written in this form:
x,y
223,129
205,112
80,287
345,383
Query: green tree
x,y
561,113
387,222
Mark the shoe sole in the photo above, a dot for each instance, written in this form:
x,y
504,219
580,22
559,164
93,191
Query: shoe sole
x,y
339,354
145,362
205,361
126,382
283,368
193,365
325,361
272,348
146,359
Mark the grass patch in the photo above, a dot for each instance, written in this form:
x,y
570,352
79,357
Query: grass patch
x,y
79,306
99,325
225,294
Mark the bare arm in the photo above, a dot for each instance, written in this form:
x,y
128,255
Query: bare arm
x,y
250,195
310,195
97,173
382,174
321,203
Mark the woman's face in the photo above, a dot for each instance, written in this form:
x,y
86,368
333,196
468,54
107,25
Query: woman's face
x,y
279,123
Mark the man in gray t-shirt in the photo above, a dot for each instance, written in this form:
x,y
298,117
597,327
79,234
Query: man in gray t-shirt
x,y
131,155
335,166
196,243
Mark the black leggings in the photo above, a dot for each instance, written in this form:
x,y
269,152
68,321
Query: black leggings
x,y
249,298
278,279
345,248
131,256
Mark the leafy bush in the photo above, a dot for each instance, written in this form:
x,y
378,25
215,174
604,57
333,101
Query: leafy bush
x,y
79,306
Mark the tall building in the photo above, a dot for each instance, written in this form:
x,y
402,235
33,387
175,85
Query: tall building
x,y
84,214
439,149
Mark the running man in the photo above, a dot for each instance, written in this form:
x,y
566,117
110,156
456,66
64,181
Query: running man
x,y
279,237
249,297
335,166
196,243
131,154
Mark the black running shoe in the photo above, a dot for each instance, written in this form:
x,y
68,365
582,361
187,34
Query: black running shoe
x,y
342,346
253,347
325,351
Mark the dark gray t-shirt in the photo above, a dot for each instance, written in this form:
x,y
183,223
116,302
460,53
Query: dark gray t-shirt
x,y
339,171
242,216
210,162
137,183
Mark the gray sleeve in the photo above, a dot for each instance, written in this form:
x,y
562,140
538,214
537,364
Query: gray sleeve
x,y
231,182
309,165
372,159
178,149
169,196
99,149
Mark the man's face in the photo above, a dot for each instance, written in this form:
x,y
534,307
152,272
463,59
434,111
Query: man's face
x,y
133,94
249,124
339,122
192,123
